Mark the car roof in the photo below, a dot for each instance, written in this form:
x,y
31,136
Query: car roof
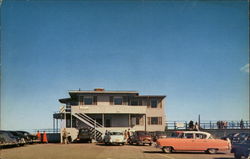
x,y
196,132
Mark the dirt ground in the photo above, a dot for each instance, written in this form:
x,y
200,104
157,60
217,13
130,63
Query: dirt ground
x,y
100,151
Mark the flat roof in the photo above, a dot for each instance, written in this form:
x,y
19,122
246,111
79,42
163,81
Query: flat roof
x,y
91,91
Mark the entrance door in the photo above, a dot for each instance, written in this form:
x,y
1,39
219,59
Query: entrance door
x,y
107,123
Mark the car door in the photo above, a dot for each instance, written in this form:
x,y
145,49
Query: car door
x,y
200,141
186,142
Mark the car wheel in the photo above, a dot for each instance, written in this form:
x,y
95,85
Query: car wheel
x,y
167,149
237,156
211,151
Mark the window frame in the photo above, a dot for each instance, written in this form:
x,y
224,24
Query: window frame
x,y
118,98
153,100
87,98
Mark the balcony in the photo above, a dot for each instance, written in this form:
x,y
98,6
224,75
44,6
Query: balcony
x,y
109,109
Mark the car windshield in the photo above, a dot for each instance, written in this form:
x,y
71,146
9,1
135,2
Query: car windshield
x,y
116,133
140,133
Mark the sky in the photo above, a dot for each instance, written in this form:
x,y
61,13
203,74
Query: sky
x,y
194,52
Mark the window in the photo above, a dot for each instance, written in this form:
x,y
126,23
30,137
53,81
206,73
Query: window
x,y
189,136
153,103
88,101
200,136
134,102
118,101
154,120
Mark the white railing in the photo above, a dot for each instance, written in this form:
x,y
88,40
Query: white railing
x,y
89,121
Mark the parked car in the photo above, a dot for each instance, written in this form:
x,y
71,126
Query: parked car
x,y
29,138
7,140
193,141
230,136
114,137
241,148
19,136
140,138
239,137
84,135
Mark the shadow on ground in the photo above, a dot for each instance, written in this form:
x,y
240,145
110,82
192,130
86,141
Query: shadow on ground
x,y
224,158
184,153
102,144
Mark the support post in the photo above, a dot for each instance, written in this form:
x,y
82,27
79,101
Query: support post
x,y
129,122
103,120
53,124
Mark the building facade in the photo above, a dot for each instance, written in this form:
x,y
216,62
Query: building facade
x,y
103,110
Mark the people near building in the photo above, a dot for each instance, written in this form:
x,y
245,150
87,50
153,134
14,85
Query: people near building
x,y
129,135
196,126
241,124
126,136
64,136
45,139
191,125
69,138
38,135
106,132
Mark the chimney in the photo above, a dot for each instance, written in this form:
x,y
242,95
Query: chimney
x,y
99,89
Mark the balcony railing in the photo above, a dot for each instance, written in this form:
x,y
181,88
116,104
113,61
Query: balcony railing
x,y
209,125
117,109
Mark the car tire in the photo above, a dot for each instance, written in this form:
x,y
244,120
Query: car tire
x,y
167,149
237,156
212,151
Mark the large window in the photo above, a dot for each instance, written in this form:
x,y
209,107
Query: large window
x,y
134,102
88,101
153,103
117,101
154,120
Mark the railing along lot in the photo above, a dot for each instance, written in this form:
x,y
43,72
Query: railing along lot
x,y
209,125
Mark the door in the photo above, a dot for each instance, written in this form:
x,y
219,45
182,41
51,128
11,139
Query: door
x,y
107,123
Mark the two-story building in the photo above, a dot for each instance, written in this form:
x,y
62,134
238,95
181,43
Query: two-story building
x,y
103,110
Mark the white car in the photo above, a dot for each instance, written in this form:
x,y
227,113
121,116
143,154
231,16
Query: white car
x,y
114,137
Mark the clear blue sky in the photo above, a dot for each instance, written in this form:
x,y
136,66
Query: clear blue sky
x,y
192,51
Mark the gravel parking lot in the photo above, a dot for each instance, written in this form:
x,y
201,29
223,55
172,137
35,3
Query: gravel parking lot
x,y
100,151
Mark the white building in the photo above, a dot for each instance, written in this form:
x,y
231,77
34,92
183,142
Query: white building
x,y
102,110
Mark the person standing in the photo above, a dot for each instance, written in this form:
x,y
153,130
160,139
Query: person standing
x,y
38,135
125,136
241,124
45,140
191,125
196,126
64,136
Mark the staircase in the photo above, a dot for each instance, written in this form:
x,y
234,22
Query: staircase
x,y
94,126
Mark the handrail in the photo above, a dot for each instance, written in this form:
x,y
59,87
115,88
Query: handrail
x,y
92,120
89,120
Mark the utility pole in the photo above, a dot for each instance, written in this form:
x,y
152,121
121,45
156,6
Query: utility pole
x,y
199,120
